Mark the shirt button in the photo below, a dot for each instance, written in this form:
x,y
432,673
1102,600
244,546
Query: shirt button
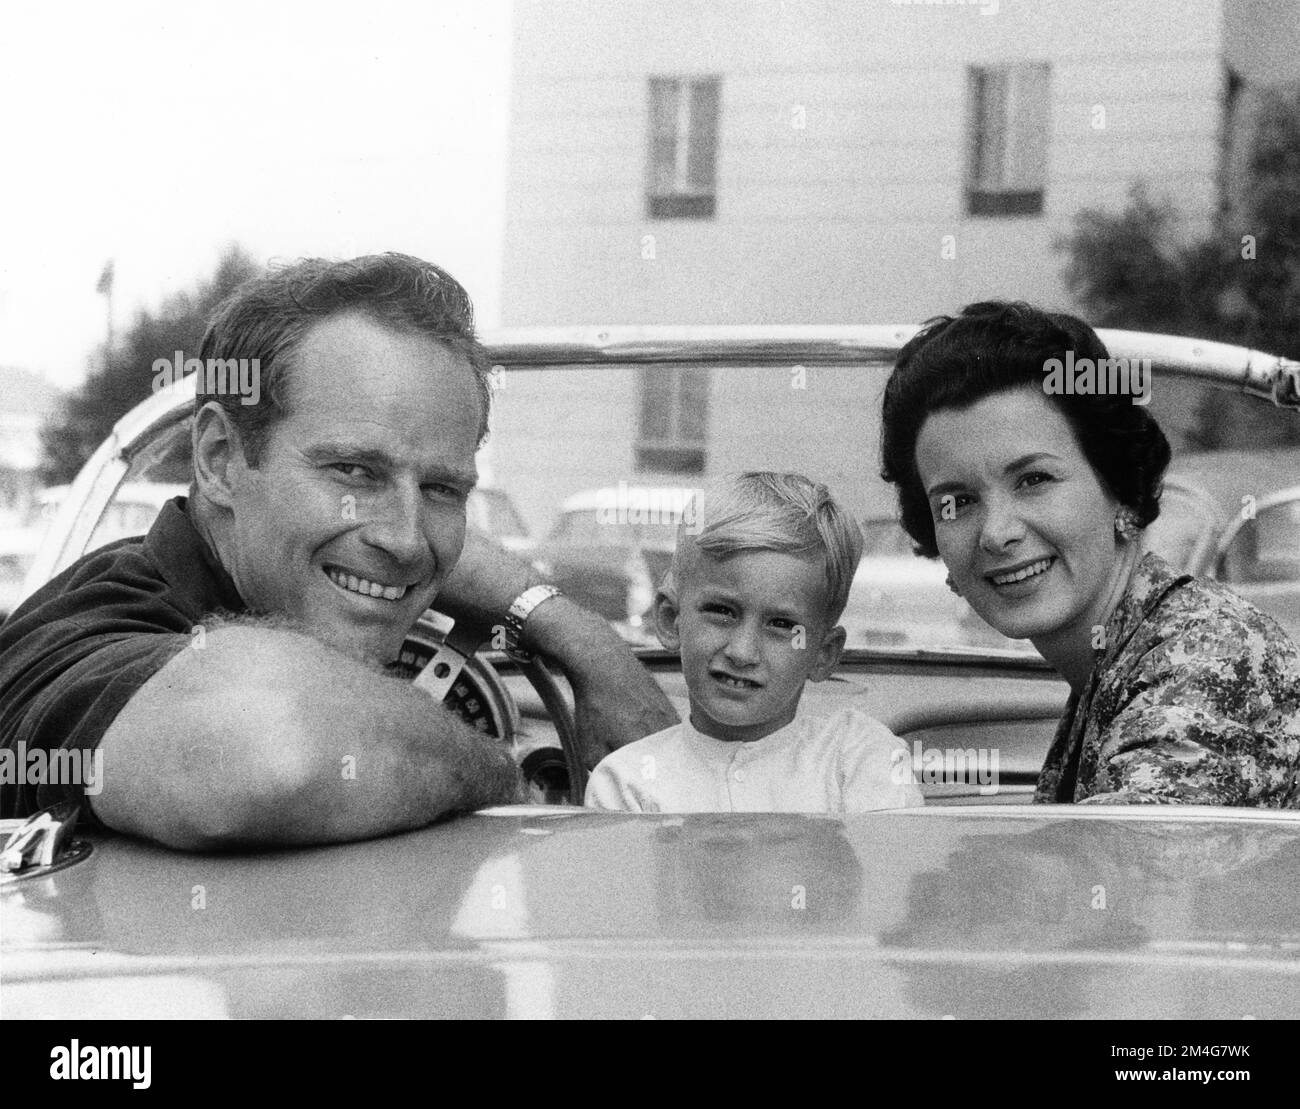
x,y
740,775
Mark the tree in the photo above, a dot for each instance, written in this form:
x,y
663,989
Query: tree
x,y
126,377
1238,284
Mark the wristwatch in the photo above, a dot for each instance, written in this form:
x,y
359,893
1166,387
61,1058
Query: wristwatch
x,y
520,609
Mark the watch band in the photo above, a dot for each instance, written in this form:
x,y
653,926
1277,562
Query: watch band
x,y
517,615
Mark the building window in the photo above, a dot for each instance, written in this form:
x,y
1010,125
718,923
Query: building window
x,y
683,148
1009,117
674,419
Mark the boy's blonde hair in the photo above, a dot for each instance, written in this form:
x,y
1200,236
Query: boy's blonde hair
x,y
761,510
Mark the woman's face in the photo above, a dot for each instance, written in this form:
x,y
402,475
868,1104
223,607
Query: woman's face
x,y
1022,521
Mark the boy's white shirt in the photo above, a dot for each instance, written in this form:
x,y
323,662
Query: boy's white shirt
x,y
842,763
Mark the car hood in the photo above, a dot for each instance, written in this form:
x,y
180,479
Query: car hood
x,y
965,912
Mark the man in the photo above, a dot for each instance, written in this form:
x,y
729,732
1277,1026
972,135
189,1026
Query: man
x,y
323,520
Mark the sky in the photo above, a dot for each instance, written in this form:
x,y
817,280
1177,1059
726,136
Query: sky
x,y
156,134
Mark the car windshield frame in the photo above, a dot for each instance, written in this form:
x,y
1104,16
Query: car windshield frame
x,y
1236,368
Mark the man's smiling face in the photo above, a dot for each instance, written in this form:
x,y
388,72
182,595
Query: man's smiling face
x,y
355,514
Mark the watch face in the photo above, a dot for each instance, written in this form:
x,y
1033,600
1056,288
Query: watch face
x,y
520,609
522,606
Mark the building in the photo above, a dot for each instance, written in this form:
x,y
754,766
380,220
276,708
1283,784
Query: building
x,y
829,161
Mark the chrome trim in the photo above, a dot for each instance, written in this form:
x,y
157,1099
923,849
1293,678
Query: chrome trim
x,y
164,408
1187,814
1253,371
1002,657
1249,371
1286,385
43,843
70,530
99,478
732,344
66,965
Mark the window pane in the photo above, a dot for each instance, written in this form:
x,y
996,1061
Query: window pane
x,y
1010,115
1029,115
664,95
657,402
702,152
988,118
693,406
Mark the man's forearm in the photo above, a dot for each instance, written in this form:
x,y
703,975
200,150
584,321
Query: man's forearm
x,y
616,699
269,737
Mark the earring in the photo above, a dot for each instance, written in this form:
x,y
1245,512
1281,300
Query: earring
x,y
951,585
1126,524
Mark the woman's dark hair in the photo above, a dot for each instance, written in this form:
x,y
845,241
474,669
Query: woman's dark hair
x,y
995,346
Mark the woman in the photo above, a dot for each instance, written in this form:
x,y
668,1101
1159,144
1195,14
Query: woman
x,y
1180,690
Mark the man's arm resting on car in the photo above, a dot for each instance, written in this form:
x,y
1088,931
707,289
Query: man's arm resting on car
x,y
267,737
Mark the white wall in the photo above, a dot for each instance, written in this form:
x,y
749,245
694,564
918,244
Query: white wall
x,y
823,422
841,221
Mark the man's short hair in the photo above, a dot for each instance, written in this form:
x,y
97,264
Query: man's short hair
x,y
266,319
761,510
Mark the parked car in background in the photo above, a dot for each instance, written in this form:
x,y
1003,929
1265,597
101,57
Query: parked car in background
x,y
977,905
899,599
611,547
491,511
1234,515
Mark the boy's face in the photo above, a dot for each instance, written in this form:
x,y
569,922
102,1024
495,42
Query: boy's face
x,y
752,630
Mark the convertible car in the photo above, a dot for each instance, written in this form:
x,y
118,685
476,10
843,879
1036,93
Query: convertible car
x,y
977,905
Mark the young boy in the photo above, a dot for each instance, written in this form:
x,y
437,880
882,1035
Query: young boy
x,y
760,575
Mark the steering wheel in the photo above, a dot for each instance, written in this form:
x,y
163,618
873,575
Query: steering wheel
x,y
442,659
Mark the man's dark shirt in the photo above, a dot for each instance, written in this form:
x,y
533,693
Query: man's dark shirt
x,y
75,652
